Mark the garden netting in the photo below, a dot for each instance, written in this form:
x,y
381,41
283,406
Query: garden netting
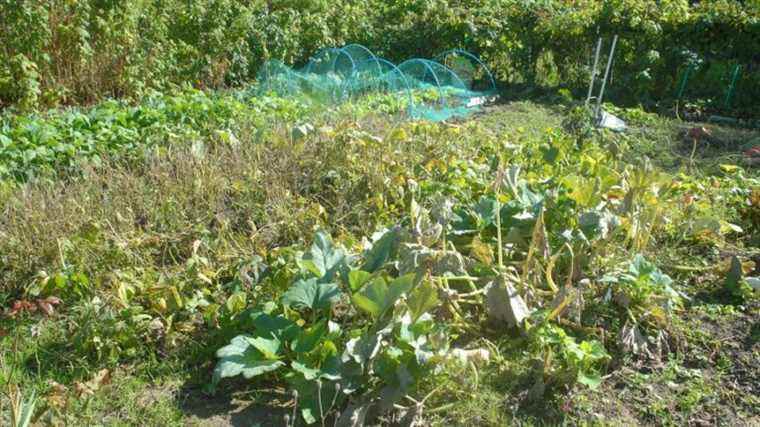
x,y
455,83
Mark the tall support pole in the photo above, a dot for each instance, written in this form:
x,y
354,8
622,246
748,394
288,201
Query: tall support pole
x,y
732,85
684,80
606,75
593,71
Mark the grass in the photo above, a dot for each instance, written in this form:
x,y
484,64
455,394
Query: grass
x,y
144,249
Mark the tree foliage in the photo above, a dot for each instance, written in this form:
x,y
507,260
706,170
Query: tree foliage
x,y
74,52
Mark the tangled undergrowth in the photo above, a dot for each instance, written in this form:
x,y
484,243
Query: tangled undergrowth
x,y
348,268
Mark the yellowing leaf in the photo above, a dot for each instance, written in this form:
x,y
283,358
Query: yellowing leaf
x,y
729,168
101,378
236,302
398,134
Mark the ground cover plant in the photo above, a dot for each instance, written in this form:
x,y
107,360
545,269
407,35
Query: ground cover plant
x,y
213,258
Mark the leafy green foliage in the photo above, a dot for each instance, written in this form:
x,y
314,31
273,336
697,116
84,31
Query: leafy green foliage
x,y
311,294
323,260
422,299
377,297
128,48
574,361
644,284
60,140
394,344
248,357
736,285
383,250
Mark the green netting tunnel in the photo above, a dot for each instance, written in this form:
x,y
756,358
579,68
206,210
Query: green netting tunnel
x,y
455,84
379,77
438,91
470,69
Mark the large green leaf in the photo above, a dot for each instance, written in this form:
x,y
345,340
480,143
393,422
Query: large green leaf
x,y
372,297
382,251
329,370
308,373
590,379
594,350
357,279
324,260
239,345
398,287
734,276
247,366
247,356
363,349
641,267
267,347
277,326
423,298
236,302
377,297
486,210
309,338
311,294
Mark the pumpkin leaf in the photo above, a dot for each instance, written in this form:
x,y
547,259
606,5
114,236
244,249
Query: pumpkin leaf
x,y
247,356
378,296
357,279
422,299
311,294
309,338
324,260
382,251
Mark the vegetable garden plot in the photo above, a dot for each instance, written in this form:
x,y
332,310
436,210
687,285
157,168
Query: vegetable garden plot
x,y
454,85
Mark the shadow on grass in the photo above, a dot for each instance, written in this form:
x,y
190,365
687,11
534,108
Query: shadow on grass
x,y
236,404
236,401
519,389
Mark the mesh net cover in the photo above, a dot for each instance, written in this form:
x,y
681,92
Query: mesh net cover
x,y
455,84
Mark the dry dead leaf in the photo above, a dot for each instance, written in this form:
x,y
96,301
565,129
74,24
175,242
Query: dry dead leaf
x,y
48,304
699,133
633,341
504,304
412,417
478,356
20,306
102,378
57,397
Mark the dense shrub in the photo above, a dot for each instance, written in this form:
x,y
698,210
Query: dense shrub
x,y
77,52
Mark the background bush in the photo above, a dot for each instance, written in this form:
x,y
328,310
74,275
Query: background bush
x,y
72,52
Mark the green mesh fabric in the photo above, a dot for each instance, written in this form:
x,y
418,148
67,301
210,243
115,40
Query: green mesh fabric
x,y
455,84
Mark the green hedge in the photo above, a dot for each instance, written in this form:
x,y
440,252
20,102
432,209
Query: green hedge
x,y
69,52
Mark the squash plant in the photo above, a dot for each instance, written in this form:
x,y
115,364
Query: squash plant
x,y
341,333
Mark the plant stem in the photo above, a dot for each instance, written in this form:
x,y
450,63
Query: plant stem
x,y
440,408
319,400
295,407
468,278
498,228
